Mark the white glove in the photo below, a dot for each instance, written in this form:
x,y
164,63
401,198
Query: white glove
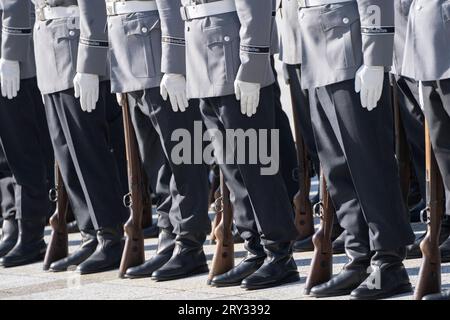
x,y
119,99
248,94
10,78
421,96
86,88
369,82
174,86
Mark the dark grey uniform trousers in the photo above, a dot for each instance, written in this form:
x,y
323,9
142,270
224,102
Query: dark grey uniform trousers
x,y
437,113
413,123
86,157
288,154
261,204
156,166
7,202
356,150
301,101
189,182
23,140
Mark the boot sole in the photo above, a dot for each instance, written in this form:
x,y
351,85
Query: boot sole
x,y
289,279
24,263
225,285
199,270
127,276
111,268
329,295
406,288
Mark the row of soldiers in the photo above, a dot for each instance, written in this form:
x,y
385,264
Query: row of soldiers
x,y
184,61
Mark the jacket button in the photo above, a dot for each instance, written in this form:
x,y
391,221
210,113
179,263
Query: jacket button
x,y
226,38
71,33
345,20
144,29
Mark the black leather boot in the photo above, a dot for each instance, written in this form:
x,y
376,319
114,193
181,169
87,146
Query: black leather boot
x,y
166,243
278,268
413,251
445,295
10,233
388,277
108,253
72,227
251,263
30,246
188,259
339,243
350,277
85,250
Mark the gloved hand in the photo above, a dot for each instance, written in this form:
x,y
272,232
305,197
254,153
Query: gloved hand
x,y
86,88
248,94
421,96
174,86
9,78
119,99
369,82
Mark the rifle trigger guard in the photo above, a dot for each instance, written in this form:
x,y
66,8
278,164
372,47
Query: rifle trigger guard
x,y
317,209
424,216
127,200
53,194
218,204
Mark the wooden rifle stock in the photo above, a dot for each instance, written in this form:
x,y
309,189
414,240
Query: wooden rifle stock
x,y
223,259
214,194
321,269
58,247
133,252
430,271
401,145
304,218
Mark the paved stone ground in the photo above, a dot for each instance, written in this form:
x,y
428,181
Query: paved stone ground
x,y
30,282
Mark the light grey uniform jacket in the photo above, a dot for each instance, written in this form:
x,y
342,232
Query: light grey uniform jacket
x,y
16,36
226,47
275,39
427,54
402,8
289,28
337,39
135,51
69,45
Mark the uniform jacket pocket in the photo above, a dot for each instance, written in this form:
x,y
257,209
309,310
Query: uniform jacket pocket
x,y
222,54
143,36
65,46
342,30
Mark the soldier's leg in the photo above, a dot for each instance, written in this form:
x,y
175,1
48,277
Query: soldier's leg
x,y
53,112
345,201
437,112
188,188
7,206
244,217
288,154
89,145
20,140
364,137
158,174
268,196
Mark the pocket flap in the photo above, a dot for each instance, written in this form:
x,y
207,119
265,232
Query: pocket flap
x,y
141,25
341,17
63,32
219,35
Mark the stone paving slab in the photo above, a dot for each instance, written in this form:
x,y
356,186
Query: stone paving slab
x,y
30,282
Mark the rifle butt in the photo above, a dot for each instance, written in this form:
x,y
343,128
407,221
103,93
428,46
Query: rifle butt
x,y
223,260
429,280
58,246
321,269
134,251
304,218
